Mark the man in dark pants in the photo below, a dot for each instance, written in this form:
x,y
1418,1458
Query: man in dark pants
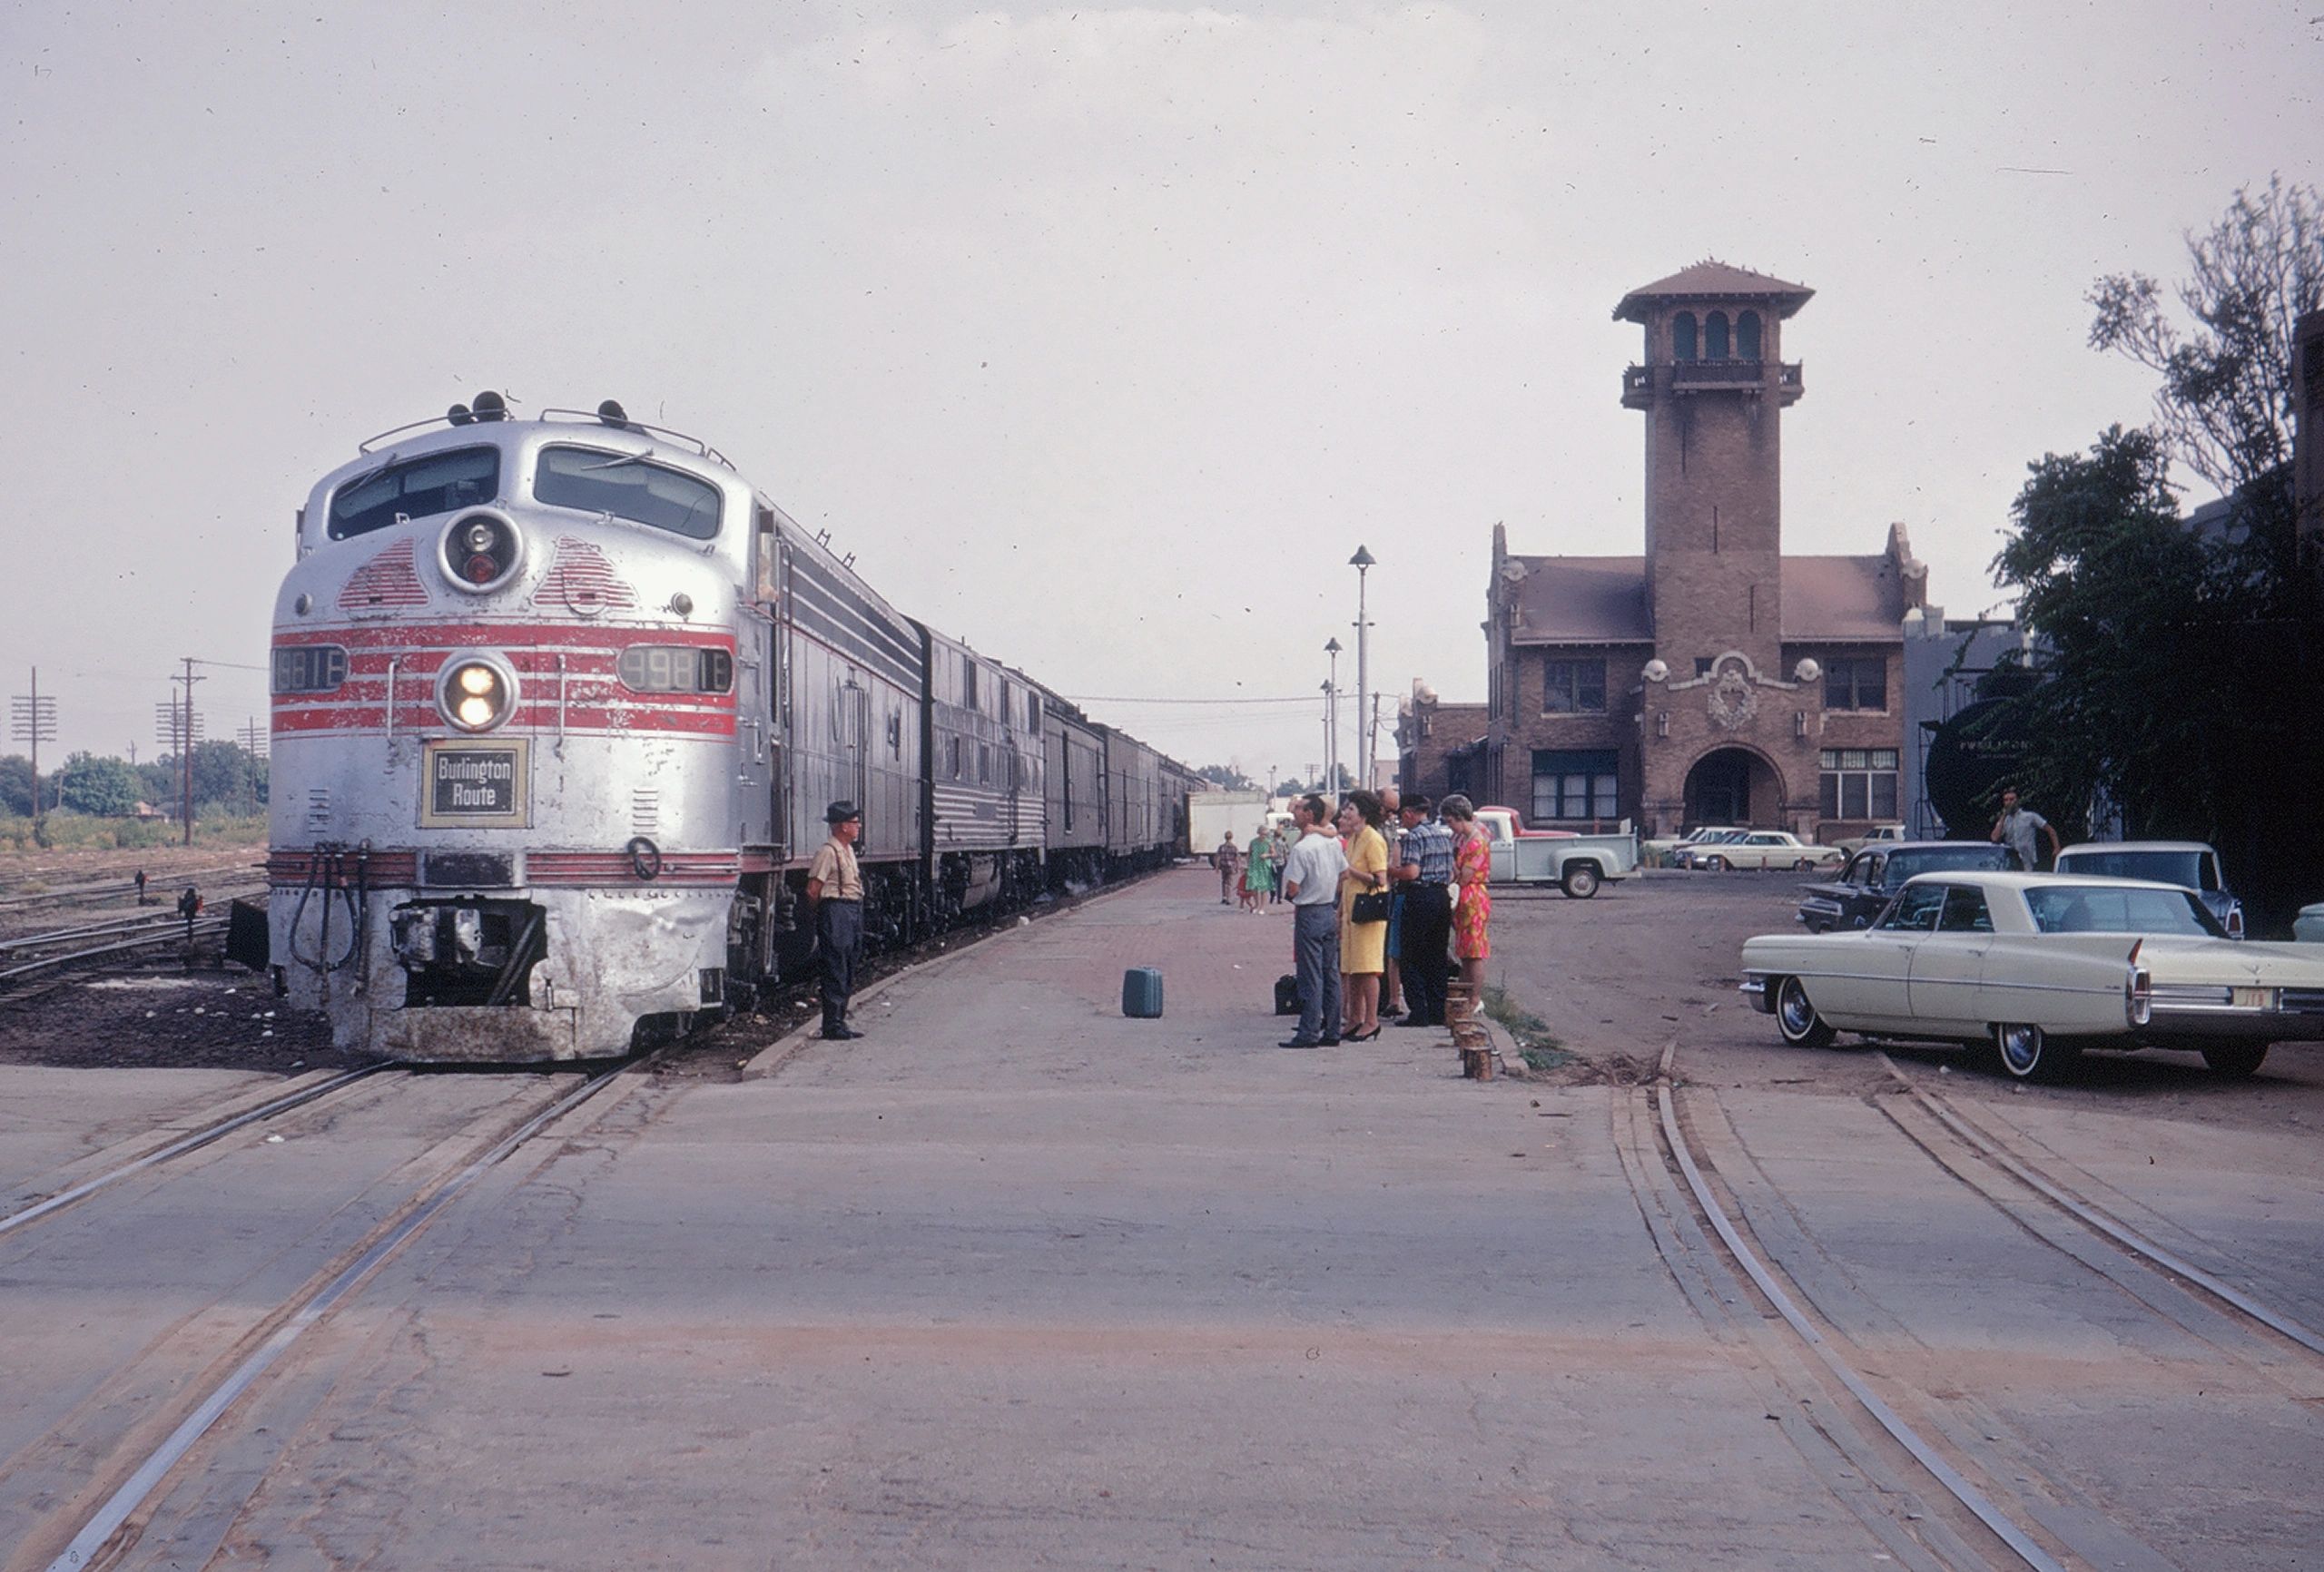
x,y
835,890
1425,876
1312,882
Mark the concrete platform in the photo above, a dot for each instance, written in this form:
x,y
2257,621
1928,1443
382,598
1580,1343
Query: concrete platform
x,y
1016,1281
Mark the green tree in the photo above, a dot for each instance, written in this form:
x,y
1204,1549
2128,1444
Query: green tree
x,y
1227,778
105,788
17,785
2224,406
2169,690
225,776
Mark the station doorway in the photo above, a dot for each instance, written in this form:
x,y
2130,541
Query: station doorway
x,y
1733,786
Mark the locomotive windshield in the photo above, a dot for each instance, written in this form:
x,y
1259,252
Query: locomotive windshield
x,y
627,486
415,489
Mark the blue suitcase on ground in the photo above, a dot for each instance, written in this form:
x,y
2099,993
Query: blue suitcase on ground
x,y
1142,992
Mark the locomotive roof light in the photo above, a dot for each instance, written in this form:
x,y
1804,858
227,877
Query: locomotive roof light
x,y
476,692
481,550
612,413
491,405
458,414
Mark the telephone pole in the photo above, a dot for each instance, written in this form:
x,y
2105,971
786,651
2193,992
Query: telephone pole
x,y
253,738
32,719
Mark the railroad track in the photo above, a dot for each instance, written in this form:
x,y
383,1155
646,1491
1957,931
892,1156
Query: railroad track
x,y
82,1490
160,880
1987,1497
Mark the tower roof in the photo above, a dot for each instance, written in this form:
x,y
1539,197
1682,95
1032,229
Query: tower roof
x,y
1711,279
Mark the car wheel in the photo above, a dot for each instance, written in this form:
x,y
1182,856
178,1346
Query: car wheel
x,y
1797,1019
2234,1060
1802,866
1715,864
2027,1053
1580,881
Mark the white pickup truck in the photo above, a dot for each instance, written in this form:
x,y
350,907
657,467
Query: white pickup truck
x,y
1576,864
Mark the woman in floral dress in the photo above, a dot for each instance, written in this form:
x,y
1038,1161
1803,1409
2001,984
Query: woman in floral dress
x,y
1472,879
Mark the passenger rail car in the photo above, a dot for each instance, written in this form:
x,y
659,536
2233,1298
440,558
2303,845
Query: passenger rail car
x,y
558,706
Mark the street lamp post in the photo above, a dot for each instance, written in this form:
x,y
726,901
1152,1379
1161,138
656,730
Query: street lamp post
x,y
1361,562
1332,720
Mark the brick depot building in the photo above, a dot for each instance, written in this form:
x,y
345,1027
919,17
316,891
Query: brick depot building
x,y
1712,680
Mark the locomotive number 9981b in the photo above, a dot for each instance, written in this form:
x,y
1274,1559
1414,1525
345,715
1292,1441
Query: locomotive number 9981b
x,y
557,705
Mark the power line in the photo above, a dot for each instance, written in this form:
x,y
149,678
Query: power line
x,y
1085,699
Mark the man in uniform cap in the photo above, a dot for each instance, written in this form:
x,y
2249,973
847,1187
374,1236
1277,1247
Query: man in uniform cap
x,y
835,889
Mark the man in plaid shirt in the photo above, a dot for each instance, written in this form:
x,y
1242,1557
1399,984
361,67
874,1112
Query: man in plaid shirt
x,y
1423,872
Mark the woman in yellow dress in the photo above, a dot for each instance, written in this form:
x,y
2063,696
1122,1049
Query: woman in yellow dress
x,y
1363,945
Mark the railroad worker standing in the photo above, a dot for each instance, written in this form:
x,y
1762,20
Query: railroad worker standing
x,y
1424,876
2017,827
835,889
1226,860
1311,882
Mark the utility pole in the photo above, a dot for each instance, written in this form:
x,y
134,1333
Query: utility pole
x,y
178,727
1361,562
32,719
253,740
1332,720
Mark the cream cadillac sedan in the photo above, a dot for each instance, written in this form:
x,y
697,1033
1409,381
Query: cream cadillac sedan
x,y
2035,967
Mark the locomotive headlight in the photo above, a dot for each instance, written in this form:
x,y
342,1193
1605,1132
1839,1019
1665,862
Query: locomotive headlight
x,y
476,694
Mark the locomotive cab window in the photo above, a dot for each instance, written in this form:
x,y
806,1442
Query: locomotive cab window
x,y
626,485
417,488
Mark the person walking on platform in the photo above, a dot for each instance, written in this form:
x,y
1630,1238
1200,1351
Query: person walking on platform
x,y
1472,897
1363,940
836,891
1311,882
1225,859
1278,853
1424,876
1258,872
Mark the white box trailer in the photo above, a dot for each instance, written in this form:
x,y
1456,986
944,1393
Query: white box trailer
x,y
1212,814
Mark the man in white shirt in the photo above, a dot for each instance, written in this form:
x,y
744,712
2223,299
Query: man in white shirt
x,y
2017,827
1311,882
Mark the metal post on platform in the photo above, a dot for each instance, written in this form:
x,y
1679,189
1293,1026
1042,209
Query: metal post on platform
x,y
1332,722
1361,562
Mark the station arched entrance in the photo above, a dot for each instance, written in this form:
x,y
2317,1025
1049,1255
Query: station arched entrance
x,y
1734,786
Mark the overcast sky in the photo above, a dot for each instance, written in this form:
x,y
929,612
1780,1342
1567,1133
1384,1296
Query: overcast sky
x,y
1102,335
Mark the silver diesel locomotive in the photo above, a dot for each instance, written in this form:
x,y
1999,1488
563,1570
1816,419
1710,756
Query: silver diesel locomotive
x,y
557,705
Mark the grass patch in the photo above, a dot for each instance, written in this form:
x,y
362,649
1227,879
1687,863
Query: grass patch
x,y
59,830
1540,1046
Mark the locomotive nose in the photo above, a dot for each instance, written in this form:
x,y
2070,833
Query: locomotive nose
x,y
482,549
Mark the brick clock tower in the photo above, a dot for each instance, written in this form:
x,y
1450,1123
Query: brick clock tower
x,y
1712,680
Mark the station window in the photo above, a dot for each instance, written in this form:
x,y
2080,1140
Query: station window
x,y
1858,783
1702,666
984,763
967,683
1715,336
1746,335
1683,336
1032,712
1855,683
1575,783
956,758
1573,688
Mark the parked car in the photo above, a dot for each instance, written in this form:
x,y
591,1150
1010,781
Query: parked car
x,y
2189,864
1761,849
1665,847
1576,864
1878,835
1873,876
2037,967
1686,855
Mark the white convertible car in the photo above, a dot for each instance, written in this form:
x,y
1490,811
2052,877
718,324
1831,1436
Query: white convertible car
x,y
2038,966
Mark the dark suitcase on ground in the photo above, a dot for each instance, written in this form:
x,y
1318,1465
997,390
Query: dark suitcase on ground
x,y
1142,992
1286,995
